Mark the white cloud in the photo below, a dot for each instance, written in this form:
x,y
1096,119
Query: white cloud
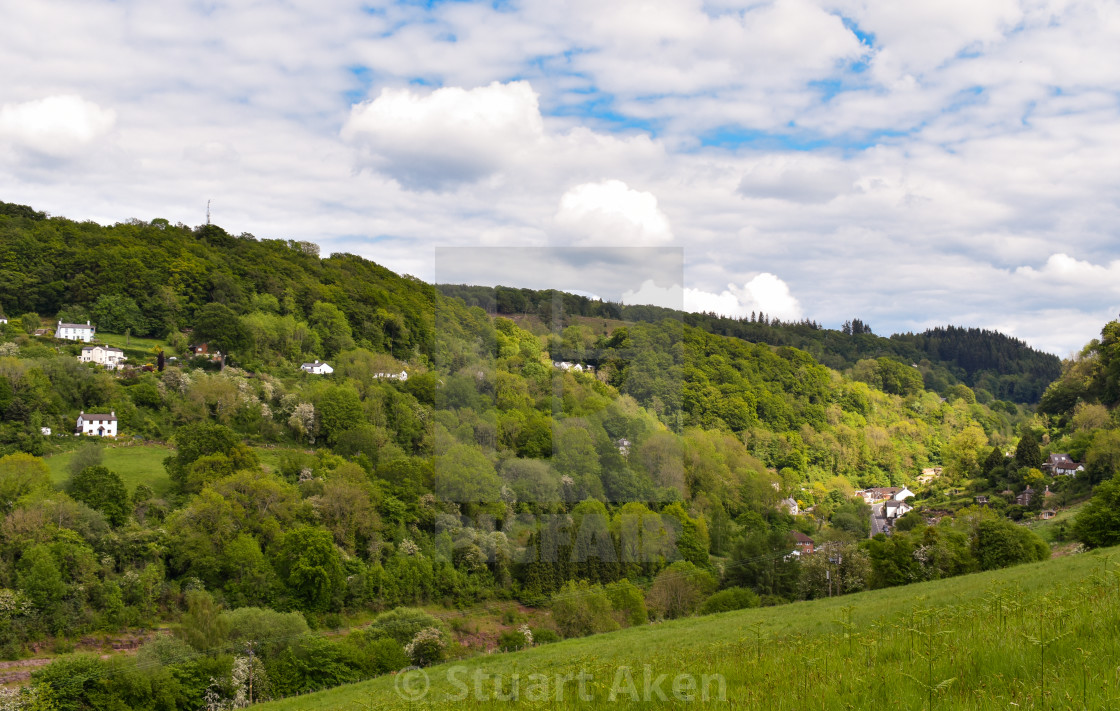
x,y
763,294
57,126
1062,270
611,213
797,178
449,136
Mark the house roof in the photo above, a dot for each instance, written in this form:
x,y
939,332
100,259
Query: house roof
x,y
894,504
110,349
801,537
95,416
75,325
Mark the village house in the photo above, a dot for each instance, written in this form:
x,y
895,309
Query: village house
x,y
790,505
573,367
317,368
1024,499
802,544
882,493
3,319
1060,464
895,508
401,376
982,500
97,425
106,356
74,331
45,431
1047,514
623,447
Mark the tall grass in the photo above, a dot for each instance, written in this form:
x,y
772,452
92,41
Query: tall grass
x,y
1041,636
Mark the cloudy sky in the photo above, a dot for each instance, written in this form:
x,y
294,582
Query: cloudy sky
x,y
910,164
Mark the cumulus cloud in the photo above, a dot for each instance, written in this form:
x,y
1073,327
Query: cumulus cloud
x,y
449,136
1063,270
57,126
611,213
763,294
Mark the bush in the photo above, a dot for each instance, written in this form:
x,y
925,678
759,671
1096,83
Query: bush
x,y
581,609
384,655
627,599
401,624
426,648
543,635
678,590
730,599
513,640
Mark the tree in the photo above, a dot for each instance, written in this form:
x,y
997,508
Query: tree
x,y
21,474
580,609
1098,524
1027,452
328,321
116,313
102,490
339,410
220,328
197,440
203,626
678,590
310,566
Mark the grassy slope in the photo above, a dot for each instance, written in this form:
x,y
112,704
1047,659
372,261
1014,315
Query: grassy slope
x,y
137,464
1048,529
867,650
143,464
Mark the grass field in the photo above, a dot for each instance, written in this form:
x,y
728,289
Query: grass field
x,y
1048,530
1040,636
137,464
133,342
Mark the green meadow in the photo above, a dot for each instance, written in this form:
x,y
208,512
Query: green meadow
x,y
1039,636
137,464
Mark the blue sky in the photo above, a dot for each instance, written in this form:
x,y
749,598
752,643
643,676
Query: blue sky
x,y
907,164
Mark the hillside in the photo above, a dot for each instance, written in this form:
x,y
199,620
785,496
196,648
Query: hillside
x,y
1034,636
673,477
996,366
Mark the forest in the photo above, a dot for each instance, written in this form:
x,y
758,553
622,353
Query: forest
x,y
301,531
995,366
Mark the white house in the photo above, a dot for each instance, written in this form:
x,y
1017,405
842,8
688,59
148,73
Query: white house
x,y
97,425
903,494
3,318
401,376
1060,464
895,508
107,356
75,331
790,505
45,431
317,368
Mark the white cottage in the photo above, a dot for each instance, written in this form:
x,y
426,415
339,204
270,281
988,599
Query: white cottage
x,y
317,368
75,331
401,376
107,356
3,319
895,508
96,425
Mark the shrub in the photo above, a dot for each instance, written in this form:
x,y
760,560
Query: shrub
x,y
543,635
627,599
513,640
401,624
678,590
581,609
426,648
730,599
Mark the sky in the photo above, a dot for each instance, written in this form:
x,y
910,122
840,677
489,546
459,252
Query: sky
x,y
908,164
